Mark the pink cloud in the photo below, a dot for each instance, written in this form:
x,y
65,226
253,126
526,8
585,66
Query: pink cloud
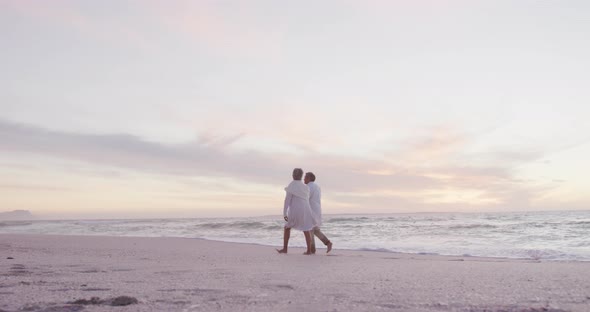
x,y
213,157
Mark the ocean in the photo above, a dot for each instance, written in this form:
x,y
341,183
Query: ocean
x,y
557,236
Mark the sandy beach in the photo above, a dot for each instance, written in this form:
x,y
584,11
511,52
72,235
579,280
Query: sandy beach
x,y
64,273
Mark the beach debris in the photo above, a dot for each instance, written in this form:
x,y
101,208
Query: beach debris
x,y
10,258
65,308
93,300
117,301
515,309
51,308
18,269
123,301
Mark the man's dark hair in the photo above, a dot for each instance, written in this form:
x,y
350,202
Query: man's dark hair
x,y
311,176
297,173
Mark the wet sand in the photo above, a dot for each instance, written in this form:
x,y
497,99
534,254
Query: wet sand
x,y
94,273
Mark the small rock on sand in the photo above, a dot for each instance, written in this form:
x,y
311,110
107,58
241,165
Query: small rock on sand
x,y
123,301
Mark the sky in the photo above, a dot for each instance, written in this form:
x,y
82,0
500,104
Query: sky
x,y
149,109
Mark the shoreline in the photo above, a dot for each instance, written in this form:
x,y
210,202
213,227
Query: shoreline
x,y
321,247
51,272
278,216
554,237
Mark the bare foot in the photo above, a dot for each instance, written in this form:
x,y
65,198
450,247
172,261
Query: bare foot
x,y
329,247
282,251
307,253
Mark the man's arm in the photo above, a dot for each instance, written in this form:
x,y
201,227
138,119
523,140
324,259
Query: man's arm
x,y
311,193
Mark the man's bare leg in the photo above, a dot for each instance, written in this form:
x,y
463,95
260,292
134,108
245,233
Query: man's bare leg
x,y
312,241
308,242
323,238
286,236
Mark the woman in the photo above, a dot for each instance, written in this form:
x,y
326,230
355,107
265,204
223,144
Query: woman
x,y
296,211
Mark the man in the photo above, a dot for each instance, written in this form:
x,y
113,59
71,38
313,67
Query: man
x,y
315,202
297,212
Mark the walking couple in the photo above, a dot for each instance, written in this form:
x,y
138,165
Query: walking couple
x,y
303,211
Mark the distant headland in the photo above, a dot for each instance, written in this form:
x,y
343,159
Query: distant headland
x,y
16,215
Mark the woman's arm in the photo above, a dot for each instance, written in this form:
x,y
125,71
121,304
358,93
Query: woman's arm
x,y
287,202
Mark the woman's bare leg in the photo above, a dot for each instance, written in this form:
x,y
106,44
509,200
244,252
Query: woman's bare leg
x,y
286,236
308,242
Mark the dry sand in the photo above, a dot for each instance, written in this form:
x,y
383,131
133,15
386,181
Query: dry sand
x,y
49,272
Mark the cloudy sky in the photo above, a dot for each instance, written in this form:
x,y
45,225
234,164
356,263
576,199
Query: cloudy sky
x,y
203,108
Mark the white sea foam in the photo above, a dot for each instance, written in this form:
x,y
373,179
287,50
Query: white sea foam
x,y
532,235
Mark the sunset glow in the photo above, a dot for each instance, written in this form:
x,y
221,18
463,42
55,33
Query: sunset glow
x,y
203,108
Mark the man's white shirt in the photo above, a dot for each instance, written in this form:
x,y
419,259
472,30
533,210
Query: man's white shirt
x,y
315,202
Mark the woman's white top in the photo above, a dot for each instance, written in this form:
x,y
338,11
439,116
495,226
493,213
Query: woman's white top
x,y
296,208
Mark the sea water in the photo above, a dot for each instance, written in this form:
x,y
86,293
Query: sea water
x,y
531,235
